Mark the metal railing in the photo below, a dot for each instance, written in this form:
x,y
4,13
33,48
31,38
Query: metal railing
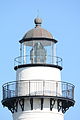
x,y
54,60
29,88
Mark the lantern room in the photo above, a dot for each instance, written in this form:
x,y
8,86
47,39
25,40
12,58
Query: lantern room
x,y
38,47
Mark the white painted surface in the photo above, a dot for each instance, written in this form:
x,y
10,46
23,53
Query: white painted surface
x,y
38,115
38,73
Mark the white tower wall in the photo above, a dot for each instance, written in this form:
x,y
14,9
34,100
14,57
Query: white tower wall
x,y
43,74
38,73
38,115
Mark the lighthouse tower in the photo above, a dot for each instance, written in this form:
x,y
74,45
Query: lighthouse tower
x,y
38,92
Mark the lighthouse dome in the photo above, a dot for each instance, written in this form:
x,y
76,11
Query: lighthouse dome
x,y
38,31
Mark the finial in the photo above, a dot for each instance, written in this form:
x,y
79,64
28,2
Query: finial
x,y
37,13
38,21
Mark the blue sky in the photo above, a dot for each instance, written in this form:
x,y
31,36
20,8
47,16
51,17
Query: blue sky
x,y
62,19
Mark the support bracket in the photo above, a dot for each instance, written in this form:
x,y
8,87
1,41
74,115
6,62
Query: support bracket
x,y
21,103
31,102
52,103
42,101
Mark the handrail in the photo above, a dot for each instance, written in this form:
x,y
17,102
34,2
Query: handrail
x,y
38,88
53,60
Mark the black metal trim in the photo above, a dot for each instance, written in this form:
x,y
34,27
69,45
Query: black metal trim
x,y
63,104
31,102
12,104
21,103
39,96
59,105
34,65
52,103
38,38
16,106
42,101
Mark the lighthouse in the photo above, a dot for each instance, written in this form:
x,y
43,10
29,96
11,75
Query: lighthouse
x,y
38,93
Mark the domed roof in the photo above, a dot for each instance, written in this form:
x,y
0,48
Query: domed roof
x,y
38,32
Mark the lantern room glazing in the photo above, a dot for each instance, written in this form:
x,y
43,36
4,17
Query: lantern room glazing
x,y
38,47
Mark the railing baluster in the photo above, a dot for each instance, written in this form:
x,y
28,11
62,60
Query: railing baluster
x,y
60,89
56,88
29,87
53,60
